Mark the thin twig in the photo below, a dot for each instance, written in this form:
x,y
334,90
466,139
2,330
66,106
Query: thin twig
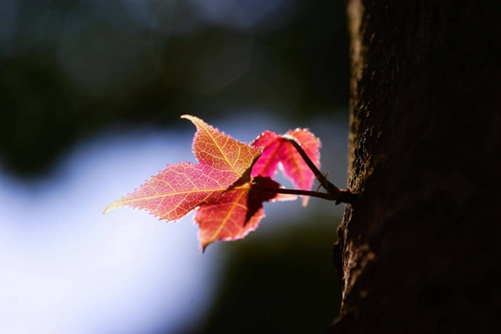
x,y
294,192
333,192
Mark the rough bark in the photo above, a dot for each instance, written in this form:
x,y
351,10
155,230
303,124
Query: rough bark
x,y
420,250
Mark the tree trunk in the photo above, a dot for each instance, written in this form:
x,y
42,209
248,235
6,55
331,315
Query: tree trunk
x,y
420,249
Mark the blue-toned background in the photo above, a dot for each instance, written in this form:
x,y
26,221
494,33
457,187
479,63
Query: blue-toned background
x,y
91,93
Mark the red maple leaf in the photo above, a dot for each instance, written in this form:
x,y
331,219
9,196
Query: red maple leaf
x,y
279,151
228,199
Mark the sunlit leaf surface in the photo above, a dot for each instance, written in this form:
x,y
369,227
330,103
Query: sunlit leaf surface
x,y
220,187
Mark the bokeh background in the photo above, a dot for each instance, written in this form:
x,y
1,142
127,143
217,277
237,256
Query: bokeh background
x,y
90,96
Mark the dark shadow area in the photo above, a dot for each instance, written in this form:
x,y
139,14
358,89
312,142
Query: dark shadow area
x,y
256,197
281,284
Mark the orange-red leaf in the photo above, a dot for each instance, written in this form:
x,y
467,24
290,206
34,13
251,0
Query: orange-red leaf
x,y
220,186
177,190
236,213
220,151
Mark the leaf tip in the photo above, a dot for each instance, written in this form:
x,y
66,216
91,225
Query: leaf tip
x,y
106,209
199,123
205,243
190,117
112,206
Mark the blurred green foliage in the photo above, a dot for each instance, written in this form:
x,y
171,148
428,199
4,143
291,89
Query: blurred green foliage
x,y
69,68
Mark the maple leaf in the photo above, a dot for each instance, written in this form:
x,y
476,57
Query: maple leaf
x,y
277,151
228,199
237,212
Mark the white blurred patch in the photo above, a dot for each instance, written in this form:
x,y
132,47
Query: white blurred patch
x,y
67,268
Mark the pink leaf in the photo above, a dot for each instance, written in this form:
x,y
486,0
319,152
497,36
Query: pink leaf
x,y
277,151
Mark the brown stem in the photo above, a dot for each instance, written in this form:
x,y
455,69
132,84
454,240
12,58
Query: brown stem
x,y
333,192
294,192
345,196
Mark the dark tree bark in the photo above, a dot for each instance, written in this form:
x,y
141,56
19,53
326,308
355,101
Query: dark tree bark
x,y
420,250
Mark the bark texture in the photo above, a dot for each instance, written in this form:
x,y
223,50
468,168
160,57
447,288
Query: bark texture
x,y
420,250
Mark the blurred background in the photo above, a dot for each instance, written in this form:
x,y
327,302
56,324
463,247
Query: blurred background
x,y
90,96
